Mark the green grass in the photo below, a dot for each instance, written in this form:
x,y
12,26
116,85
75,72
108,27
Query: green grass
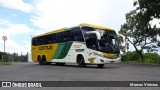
x,y
146,61
5,62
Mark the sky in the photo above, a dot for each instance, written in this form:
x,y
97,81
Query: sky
x,y
22,19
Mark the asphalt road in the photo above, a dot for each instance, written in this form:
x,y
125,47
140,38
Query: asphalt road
x,y
71,72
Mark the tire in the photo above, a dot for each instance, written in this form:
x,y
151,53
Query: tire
x,y
43,60
80,61
39,60
100,65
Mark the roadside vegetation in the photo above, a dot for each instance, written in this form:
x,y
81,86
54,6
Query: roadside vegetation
x,y
5,63
134,57
7,58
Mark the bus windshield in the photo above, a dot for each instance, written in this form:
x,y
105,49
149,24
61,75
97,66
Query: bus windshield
x,y
101,40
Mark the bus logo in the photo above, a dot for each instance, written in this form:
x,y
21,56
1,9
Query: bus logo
x,y
77,46
45,47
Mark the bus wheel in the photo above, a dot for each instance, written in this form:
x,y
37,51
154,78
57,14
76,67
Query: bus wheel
x,y
100,65
39,60
80,61
43,60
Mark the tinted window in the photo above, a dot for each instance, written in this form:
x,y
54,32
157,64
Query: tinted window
x,y
72,34
85,29
66,36
58,37
76,34
47,39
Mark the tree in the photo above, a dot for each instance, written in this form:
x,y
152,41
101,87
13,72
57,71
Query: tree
x,y
150,10
138,31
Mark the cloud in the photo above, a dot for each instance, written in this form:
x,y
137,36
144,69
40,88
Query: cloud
x,y
59,13
155,22
14,30
53,14
7,28
12,46
17,4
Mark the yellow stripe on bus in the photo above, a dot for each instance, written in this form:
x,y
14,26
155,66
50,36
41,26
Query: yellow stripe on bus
x,y
96,26
111,56
55,31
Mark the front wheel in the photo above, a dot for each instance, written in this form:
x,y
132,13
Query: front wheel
x,y
100,65
80,60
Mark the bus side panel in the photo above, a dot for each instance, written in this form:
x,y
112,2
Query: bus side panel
x,y
58,50
47,52
33,53
65,50
75,50
50,53
71,56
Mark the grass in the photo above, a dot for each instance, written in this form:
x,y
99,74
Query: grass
x,y
5,62
147,61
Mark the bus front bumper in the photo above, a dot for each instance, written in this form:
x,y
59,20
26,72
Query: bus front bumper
x,y
107,60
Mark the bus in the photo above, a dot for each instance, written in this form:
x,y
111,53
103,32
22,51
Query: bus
x,y
83,44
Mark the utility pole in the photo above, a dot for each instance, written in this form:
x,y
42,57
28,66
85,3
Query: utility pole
x,y
4,39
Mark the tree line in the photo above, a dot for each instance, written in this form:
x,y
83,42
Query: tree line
x,y
14,57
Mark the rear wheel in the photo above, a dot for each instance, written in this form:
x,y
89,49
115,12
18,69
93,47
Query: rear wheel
x,y
43,60
39,60
100,65
80,61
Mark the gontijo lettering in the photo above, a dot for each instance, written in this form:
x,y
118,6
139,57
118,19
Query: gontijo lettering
x,y
45,47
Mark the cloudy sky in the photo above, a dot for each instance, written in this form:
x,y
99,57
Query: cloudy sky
x,y
21,19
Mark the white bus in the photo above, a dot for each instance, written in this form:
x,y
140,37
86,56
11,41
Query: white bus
x,y
84,44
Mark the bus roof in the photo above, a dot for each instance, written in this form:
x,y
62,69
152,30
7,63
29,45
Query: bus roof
x,y
63,29
96,26
51,32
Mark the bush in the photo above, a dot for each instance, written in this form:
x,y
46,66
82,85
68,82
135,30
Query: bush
x,y
124,58
134,56
151,58
130,56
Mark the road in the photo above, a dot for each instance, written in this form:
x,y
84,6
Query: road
x,y
71,72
